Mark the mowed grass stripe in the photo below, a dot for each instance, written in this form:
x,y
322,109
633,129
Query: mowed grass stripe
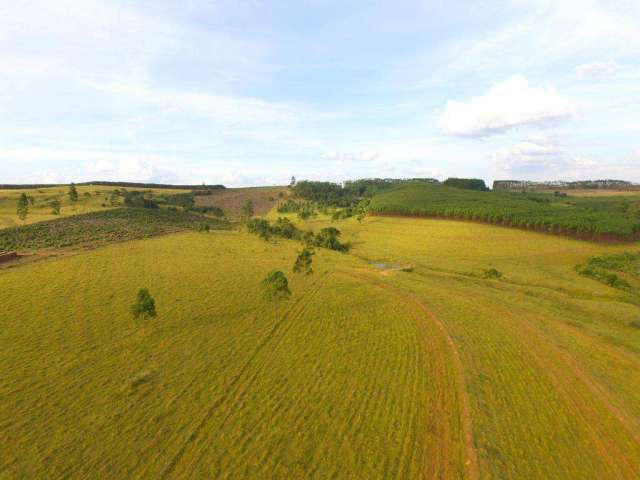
x,y
320,413
526,424
452,451
235,389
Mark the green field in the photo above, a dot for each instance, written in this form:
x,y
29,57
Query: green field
x,y
614,217
367,371
91,198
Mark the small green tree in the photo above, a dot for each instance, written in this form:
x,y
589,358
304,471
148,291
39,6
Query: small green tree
x,y
145,305
23,207
55,206
303,261
247,210
73,193
276,286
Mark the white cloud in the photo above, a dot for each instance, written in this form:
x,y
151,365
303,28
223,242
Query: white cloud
x,y
509,104
533,156
596,69
546,158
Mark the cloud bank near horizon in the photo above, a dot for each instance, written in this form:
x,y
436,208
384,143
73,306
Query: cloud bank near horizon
x,y
251,94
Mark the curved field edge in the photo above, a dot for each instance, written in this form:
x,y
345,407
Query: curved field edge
x,y
608,219
341,381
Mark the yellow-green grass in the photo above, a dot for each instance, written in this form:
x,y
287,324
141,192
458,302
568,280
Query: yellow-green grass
x,y
344,380
550,360
41,209
363,373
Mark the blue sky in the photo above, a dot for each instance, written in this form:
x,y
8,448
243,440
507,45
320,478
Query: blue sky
x,y
253,92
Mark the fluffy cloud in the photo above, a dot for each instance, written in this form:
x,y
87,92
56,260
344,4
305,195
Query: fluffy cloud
x,y
598,69
545,158
509,104
533,156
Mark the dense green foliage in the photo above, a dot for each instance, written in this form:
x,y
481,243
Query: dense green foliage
x,y
276,286
349,194
144,306
303,261
137,199
100,227
608,268
592,216
466,183
328,237
23,207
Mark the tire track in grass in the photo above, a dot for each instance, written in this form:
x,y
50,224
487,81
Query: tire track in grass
x,y
471,461
196,432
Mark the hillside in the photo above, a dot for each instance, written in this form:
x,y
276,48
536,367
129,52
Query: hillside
x,y
367,371
231,200
599,218
91,198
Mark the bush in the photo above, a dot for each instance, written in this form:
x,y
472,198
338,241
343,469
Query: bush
x,y
634,323
145,305
492,273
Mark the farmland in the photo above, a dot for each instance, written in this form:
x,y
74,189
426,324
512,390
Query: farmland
x,y
610,218
398,359
91,198
115,225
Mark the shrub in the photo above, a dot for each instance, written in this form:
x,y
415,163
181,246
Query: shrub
x,y
634,323
492,273
303,262
276,286
145,305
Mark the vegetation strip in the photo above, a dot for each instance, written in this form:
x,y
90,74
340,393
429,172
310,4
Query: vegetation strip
x,y
101,227
608,219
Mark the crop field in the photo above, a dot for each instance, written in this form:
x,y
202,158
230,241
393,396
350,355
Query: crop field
x,y
115,225
399,359
91,198
606,218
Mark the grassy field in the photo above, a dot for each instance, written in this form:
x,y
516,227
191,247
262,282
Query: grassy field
x,y
604,218
366,372
91,198
221,383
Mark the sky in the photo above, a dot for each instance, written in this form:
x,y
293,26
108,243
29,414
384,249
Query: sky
x,y
254,92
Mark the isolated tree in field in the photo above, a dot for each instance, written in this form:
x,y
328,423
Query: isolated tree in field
x,y
276,286
247,210
145,305
293,182
303,262
73,193
23,207
55,207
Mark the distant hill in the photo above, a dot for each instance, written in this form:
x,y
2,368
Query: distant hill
x,y
113,184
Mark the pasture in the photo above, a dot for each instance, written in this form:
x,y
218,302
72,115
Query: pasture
x,y
91,198
367,371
